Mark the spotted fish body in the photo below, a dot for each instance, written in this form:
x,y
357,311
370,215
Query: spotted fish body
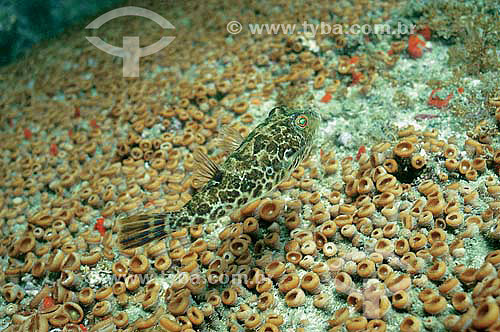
x,y
267,156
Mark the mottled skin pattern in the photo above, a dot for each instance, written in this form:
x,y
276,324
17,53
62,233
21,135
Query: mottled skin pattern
x,y
267,156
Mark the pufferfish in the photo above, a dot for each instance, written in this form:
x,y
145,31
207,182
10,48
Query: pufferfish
x,y
255,166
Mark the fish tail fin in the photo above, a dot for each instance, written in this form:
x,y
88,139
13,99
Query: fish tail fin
x,y
138,230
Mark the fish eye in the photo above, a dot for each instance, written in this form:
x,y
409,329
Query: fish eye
x,y
301,121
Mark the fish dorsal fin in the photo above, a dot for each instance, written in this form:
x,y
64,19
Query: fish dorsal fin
x,y
205,169
229,139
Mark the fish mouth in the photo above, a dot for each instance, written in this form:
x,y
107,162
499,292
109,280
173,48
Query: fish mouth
x,y
315,116
313,113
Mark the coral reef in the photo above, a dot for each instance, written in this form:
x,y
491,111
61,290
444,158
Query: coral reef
x,y
392,222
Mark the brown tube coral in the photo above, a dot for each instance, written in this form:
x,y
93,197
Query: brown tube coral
x,y
295,297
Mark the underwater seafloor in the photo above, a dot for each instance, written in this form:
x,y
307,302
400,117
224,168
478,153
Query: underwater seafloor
x,y
392,222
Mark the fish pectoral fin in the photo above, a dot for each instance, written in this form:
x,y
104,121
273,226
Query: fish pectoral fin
x,y
205,169
307,156
229,139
